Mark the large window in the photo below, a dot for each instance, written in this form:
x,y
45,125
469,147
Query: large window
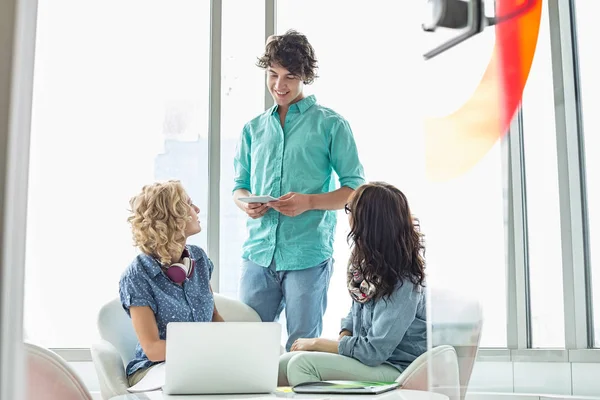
x,y
242,98
465,218
120,100
118,108
374,82
543,208
589,65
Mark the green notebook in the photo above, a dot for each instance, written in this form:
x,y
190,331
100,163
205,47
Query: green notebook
x,y
345,387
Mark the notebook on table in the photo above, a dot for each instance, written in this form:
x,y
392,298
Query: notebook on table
x,y
345,387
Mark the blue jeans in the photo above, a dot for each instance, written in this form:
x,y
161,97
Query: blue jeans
x,y
302,293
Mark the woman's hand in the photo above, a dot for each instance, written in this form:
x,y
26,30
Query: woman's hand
x,y
344,333
323,345
304,345
217,317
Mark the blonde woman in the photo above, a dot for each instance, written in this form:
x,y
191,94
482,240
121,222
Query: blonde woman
x,y
169,281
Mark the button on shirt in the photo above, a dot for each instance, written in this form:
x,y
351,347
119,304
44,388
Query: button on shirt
x,y
300,157
391,330
145,284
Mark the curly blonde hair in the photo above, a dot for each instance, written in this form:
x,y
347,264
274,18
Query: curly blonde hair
x,y
158,218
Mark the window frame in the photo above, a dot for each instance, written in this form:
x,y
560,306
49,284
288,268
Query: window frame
x,y
17,53
571,177
572,196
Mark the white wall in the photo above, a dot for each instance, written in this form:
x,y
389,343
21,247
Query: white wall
x,y
563,378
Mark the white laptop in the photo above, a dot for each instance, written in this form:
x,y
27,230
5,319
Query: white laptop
x,y
222,357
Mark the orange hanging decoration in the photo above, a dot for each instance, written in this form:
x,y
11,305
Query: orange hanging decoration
x,y
456,142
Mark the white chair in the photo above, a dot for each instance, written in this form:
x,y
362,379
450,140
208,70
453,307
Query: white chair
x,y
457,320
49,377
117,346
456,323
440,363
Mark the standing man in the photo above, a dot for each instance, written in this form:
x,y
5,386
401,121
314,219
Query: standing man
x,y
290,152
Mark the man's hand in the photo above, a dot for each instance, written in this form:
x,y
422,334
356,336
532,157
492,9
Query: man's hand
x,y
344,333
255,210
291,204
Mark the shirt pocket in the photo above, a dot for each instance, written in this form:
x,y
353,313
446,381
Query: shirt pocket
x,y
309,149
265,156
264,139
201,304
172,310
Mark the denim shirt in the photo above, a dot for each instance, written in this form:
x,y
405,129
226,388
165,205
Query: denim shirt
x,y
314,143
145,284
389,330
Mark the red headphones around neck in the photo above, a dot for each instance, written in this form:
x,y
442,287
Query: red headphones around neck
x,y
179,272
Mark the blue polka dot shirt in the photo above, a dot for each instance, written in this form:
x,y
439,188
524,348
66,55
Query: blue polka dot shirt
x,y
145,284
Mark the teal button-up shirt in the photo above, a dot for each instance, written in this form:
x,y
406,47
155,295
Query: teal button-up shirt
x,y
300,157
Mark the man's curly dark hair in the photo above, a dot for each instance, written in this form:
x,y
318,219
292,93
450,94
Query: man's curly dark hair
x,y
293,52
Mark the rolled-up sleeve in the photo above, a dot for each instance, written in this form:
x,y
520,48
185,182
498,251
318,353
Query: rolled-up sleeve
x,y
391,319
134,290
241,162
211,268
344,156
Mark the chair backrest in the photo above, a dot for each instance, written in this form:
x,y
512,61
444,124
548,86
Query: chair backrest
x,y
435,370
49,377
234,310
115,325
456,320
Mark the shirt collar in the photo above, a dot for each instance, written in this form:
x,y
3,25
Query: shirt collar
x,y
301,105
151,265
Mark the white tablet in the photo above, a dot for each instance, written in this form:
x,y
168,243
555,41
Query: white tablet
x,y
257,199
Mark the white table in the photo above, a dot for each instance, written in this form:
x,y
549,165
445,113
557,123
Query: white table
x,y
398,394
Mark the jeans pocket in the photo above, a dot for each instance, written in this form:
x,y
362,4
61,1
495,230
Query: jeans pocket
x,y
244,267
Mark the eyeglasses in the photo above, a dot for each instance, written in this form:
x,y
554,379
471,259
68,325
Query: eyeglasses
x,y
347,209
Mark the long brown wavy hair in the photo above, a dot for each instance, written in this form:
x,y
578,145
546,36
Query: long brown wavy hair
x,y
386,242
